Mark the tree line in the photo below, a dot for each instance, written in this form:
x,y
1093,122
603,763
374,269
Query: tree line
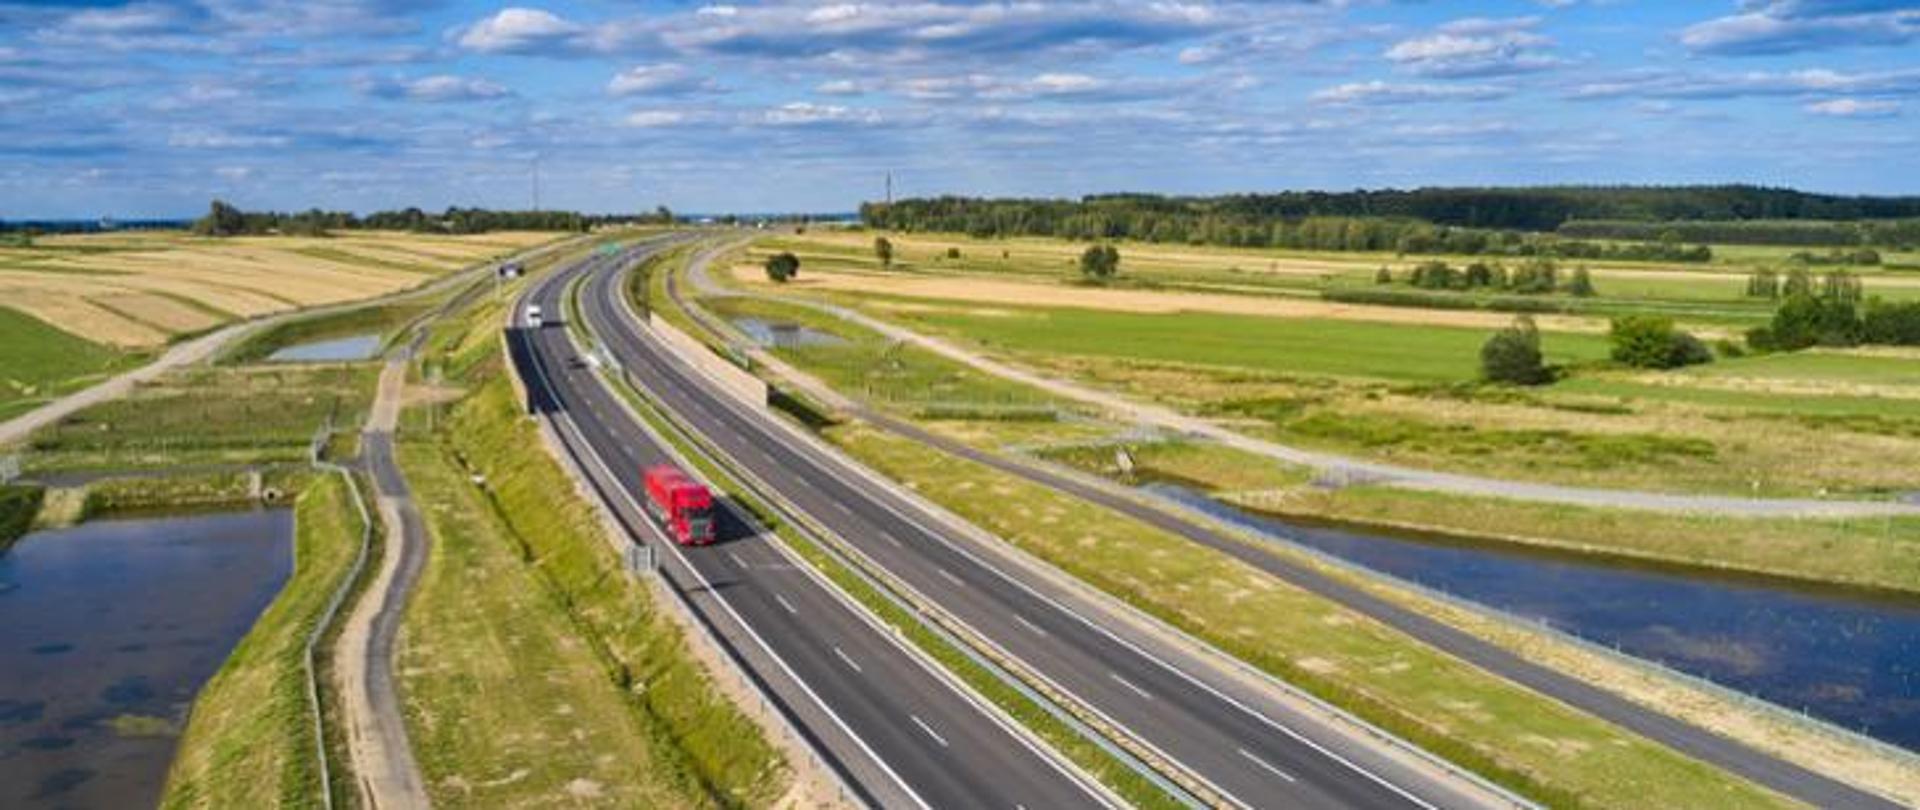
x,y
223,219
1537,209
1901,234
1200,222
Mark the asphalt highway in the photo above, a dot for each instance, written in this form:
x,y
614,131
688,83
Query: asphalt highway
x,y
1247,756
899,732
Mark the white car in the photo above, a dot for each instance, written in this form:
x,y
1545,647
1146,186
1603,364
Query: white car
x,y
533,316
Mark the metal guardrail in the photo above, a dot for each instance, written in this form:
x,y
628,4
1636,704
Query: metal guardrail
x,y
325,624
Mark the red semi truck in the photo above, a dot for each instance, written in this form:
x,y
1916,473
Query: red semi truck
x,y
683,506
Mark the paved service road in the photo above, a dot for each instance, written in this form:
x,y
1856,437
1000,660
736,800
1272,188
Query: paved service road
x,y
1250,757
895,727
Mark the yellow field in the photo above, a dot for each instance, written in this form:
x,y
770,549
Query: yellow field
x,y
977,290
137,289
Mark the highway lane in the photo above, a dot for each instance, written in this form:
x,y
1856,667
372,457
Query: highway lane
x,y
1246,756
938,747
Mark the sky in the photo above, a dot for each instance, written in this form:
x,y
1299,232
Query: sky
x,y
152,108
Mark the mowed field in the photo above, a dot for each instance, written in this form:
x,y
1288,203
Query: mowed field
x,y
1393,383
138,289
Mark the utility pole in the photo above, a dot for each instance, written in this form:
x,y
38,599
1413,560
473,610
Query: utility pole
x,y
889,189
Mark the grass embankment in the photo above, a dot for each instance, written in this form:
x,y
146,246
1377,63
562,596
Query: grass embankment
x,y
241,415
190,491
1868,552
18,506
1516,737
249,738
384,320
41,362
535,671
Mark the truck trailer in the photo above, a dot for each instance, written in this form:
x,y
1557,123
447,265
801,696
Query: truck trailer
x,y
682,506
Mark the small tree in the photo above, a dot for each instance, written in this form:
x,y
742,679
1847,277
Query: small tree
x,y
953,253
1100,262
1646,341
1581,284
221,220
1383,276
1763,283
883,250
782,267
1513,356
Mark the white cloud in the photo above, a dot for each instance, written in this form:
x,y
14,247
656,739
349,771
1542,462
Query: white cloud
x,y
1477,46
650,119
1817,81
1854,108
660,80
444,87
1786,26
518,30
1379,92
806,113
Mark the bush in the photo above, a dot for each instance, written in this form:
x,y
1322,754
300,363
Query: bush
x,y
1646,341
782,267
1581,285
1892,324
1513,356
1804,321
1383,276
1100,262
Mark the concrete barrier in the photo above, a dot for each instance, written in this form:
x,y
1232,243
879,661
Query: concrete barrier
x,y
736,381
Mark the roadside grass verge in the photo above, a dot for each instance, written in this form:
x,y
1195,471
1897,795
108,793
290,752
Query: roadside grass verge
x,y
209,415
249,736
1518,738
1136,789
1878,552
39,362
687,744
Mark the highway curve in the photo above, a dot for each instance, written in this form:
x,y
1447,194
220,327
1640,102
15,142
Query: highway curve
x,y
900,733
1251,756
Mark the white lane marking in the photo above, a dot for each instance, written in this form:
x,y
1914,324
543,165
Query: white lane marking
x,y
841,507
1029,625
891,539
929,730
785,604
1129,684
848,661
736,560
1268,765
950,577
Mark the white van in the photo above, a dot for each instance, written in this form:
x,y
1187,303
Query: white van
x,y
533,316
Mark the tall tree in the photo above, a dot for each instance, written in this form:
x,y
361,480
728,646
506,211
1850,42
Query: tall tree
x,y
883,250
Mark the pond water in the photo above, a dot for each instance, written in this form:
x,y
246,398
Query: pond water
x,y
785,334
107,630
1850,658
357,347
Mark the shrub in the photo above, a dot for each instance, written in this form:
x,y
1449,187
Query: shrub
x,y
1581,285
1892,324
1646,341
1513,356
1383,276
1100,262
1804,321
783,266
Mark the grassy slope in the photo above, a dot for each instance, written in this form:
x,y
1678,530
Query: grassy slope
x,y
1534,744
381,320
38,361
690,745
1872,552
18,505
249,739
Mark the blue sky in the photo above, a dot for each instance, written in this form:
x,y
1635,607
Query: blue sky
x,y
150,108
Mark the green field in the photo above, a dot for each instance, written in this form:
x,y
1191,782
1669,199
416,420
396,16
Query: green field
x,y
209,415
249,737
1350,349
39,362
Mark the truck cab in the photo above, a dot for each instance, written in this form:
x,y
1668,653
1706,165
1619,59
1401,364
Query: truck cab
x,y
682,506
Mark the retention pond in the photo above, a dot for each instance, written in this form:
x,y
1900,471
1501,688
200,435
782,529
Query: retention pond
x,y
107,631
337,350
1849,658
